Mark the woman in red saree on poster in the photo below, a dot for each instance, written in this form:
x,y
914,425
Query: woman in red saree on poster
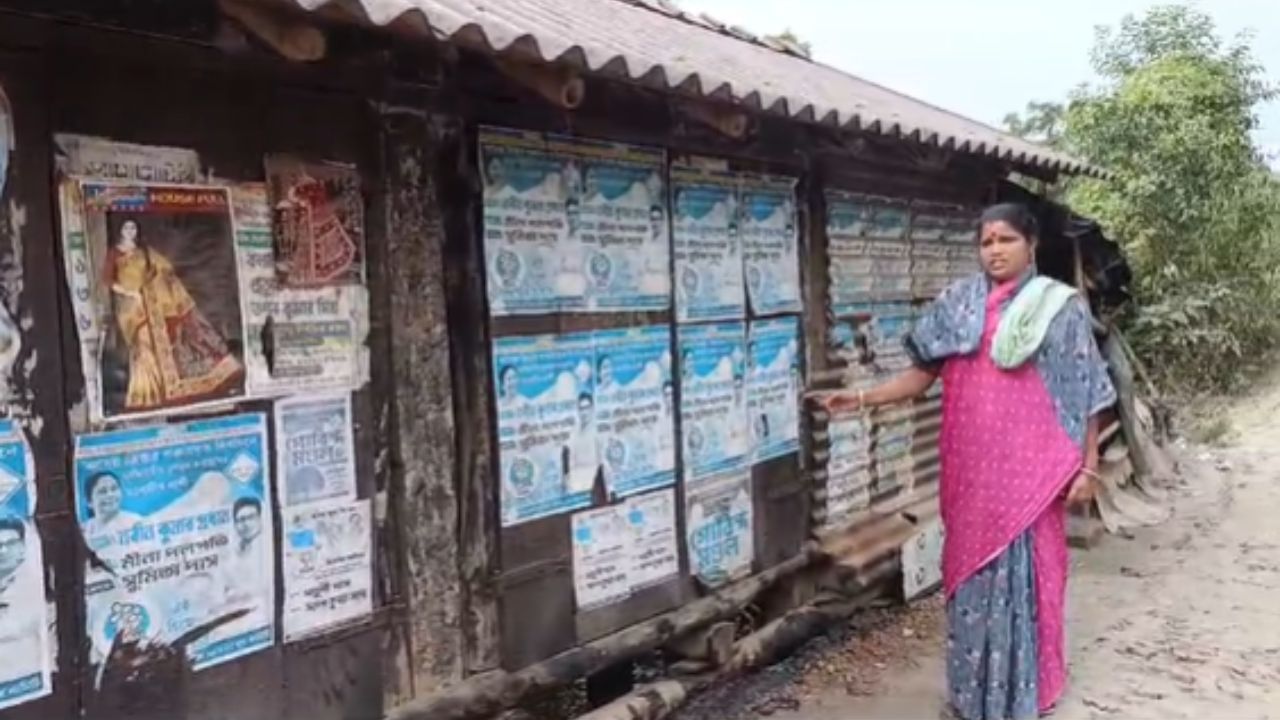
x,y
1024,382
175,355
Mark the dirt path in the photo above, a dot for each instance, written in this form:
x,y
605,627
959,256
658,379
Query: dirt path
x,y
1179,621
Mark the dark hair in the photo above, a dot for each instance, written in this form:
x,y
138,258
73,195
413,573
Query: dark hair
x,y
1015,215
92,484
246,502
668,384
14,524
600,361
656,209
586,396
502,371
571,203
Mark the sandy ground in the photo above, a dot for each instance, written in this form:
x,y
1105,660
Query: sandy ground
x,y
1177,621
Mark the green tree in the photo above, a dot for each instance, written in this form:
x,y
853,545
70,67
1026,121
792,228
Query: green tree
x,y
1040,122
1188,194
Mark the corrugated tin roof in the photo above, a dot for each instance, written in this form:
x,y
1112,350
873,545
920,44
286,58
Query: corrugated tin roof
x,y
651,42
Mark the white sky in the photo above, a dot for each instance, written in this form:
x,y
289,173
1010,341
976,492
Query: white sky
x,y
982,58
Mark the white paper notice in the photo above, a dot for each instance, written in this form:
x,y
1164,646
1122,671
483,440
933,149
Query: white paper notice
x,y
328,556
601,551
654,558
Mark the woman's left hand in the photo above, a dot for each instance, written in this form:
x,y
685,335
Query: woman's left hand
x,y
1082,490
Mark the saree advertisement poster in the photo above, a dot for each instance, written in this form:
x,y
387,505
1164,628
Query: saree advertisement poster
x,y
25,643
773,387
317,215
532,226
616,207
622,549
297,339
718,518
315,449
848,468
713,403
153,277
707,243
327,566
770,244
546,424
635,408
177,519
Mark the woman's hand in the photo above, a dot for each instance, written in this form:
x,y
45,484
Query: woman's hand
x,y
837,401
1083,489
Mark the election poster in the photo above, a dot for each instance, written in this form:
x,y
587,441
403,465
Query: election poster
x,y
177,519
718,520
546,424
622,549
317,216
635,408
892,448
25,643
602,541
870,255
654,557
707,242
156,295
533,225
848,468
774,385
327,565
713,402
315,449
617,204
297,339
770,244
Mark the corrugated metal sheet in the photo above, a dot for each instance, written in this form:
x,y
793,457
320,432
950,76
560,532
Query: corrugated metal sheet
x,y
653,43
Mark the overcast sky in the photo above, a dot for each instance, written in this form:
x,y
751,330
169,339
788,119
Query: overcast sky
x,y
981,58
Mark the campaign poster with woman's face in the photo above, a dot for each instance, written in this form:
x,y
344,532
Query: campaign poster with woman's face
x,y
166,292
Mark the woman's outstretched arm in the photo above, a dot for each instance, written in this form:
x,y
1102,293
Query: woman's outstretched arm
x,y
907,384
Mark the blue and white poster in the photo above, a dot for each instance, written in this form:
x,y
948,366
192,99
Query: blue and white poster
x,y
773,387
621,214
635,409
848,468
178,521
655,557
769,244
708,245
25,643
532,225
870,255
718,517
546,424
713,398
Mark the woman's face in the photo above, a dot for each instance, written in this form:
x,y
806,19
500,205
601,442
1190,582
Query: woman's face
x,y
106,498
128,239
1005,252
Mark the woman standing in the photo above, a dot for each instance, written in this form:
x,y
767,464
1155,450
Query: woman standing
x,y
1024,384
175,355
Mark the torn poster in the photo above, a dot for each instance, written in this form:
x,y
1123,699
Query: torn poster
x,y
7,143
870,255
26,646
713,406
318,221
602,541
546,424
155,293
773,387
328,566
82,156
635,408
718,516
654,555
707,245
770,244
297,339
533,225
617,204
177,519
315,449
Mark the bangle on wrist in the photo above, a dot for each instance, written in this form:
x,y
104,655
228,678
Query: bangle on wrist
x,y
1090,473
